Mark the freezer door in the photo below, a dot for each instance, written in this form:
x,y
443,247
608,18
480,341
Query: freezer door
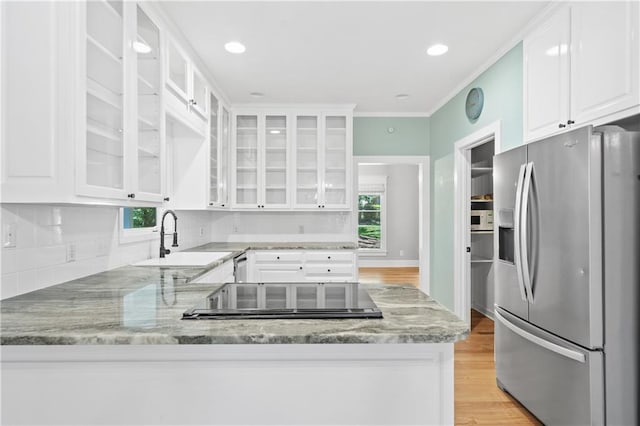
x,y
509,290
560,383
562,236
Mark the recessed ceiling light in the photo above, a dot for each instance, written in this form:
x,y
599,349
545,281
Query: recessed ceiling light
x,y
274,132
437,50
257,94
235,47
402,96
141,47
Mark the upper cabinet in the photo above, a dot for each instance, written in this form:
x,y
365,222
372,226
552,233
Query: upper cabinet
x,y
322,161
187,88
260,161
120,147
293,159
218,153
580,66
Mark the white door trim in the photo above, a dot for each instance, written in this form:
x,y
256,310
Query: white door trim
x,y
424,166
462,211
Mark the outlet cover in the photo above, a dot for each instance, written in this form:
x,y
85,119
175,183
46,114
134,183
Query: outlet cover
x,y
9,235
201,231
71,252
401,252
301,229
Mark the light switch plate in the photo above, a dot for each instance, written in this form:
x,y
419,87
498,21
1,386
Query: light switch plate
x,y
71,252
9,235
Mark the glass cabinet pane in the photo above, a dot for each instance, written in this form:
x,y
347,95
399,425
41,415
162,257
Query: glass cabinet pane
x,y
147,48
214,158
307,161
177,69
275,159
335,167
199,101
223,160
105,76
247,159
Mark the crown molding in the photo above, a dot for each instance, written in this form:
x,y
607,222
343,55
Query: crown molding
x,y
390,114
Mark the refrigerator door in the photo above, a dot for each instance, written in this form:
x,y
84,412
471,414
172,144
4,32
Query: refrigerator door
x,y
562,216
508,182
560,383
621,170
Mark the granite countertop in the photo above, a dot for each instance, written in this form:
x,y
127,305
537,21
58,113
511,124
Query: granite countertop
x,y
276,246
144,305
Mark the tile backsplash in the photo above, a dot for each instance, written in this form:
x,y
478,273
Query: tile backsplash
x,y
53,244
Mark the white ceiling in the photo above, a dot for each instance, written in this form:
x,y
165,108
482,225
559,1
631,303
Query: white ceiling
x,y
348,52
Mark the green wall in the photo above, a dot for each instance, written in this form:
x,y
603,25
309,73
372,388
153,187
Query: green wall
x,y
502,87
411,136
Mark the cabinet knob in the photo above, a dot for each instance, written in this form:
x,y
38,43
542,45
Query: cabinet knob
x,y
571,122
561,126
328,257
278,257
166,198
192,102
131,195
210,204
323,206
301,268
221,205
328,270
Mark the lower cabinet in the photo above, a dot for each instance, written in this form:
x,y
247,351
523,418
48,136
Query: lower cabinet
x,y
219,274
302,265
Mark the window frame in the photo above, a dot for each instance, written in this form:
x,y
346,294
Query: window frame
x,y
134,235
366,186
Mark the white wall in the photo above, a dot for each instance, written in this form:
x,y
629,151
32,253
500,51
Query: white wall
x,y
402,212
44,232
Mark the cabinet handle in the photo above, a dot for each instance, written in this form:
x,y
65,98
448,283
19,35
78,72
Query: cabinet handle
x,y
323,206
561,126
328,270
328,257
131,195
571,122
210,204
278,257
166,198
222,205
301,268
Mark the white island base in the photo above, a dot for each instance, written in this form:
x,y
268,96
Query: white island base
x,y
243,384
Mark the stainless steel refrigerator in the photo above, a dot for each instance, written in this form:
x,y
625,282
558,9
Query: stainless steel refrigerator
x,y
568,275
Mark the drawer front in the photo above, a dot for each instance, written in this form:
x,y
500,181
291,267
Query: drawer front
x,y
329,269
330,256
278,256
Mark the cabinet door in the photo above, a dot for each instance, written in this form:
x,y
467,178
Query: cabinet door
x,y
223,164
307,162
276,161
335,162
177,71
279,273
246,164
214,152
101,149
198,100
546,77
150,147
604,58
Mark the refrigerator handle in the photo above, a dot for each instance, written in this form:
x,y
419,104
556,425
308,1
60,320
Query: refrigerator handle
x,y
516,231
524,231
560,350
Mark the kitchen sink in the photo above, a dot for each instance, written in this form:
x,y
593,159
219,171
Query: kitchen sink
x,y
185,259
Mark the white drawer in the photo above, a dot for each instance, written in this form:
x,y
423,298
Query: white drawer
x,y
278,256
329,269
330,256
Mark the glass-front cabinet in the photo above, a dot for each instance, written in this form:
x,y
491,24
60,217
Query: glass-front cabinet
x,y
120,148
322,161
261,161
214,152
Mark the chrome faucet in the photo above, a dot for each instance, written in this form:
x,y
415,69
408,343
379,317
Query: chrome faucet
x,y
163,250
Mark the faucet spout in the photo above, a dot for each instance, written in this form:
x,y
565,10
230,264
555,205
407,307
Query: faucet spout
x,y
163,250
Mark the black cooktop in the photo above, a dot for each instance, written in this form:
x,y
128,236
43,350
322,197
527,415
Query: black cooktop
x,y
286,301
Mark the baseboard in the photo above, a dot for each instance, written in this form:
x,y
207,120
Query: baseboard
x,y
487,313
383,263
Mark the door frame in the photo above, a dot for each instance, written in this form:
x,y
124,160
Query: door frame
x,y
462,211
424,172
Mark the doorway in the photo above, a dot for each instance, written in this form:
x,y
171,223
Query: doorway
x,y
378,191
474,242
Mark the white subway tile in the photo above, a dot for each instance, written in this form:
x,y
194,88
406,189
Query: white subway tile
x,y
9,285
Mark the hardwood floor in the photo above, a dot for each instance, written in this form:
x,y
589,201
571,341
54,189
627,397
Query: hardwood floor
x,y
478,401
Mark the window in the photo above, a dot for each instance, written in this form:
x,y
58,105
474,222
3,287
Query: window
x,y
138,224
371,218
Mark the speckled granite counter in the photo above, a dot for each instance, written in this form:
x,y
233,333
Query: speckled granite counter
x,y
276,246
143,305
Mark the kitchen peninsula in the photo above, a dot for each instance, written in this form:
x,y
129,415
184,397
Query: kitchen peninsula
x,y
111,349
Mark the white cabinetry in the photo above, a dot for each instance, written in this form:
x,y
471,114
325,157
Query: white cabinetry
x,y
582,66
219,274
98,137
302,265
218,153
187,87
322,161
261,160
